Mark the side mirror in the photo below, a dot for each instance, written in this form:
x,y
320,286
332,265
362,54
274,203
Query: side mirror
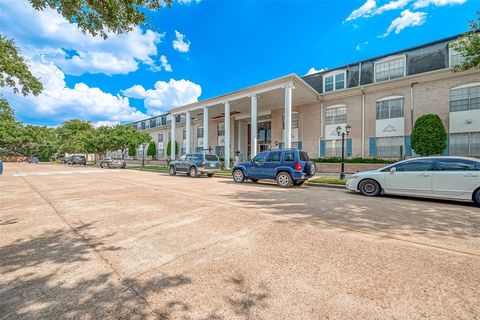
x,y
393,170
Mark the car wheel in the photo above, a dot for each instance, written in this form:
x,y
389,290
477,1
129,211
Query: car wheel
x,y
369,188
254,180
210,175
238,176
172,171
284,180
101,165
310,168
476,197
193,172
299,183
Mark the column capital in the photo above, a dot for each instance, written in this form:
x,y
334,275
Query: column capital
x,y
251,95
289,85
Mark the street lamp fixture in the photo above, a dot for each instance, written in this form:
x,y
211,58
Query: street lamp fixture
x,y
343,134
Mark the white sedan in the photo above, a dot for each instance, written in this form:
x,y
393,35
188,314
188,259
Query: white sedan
x,y
456,178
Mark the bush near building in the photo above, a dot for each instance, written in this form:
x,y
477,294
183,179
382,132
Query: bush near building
x,y
169,148
429,136
152,150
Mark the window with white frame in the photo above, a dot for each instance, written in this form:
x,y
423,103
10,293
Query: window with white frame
x,y
221,129
160,137
464,144
392,68
294,120
200,132
158,121
334,81
336,115
147,124
466,98
455,57
390,147
333,148
389,108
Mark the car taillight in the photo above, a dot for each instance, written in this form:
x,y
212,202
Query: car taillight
x,y
298,166
203,164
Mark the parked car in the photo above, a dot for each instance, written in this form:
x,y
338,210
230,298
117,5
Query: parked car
x,y
77,159
113,163
288,167
65,160
1,167
456,178
33,160
195,164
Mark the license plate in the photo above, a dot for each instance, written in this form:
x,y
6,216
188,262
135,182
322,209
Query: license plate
x,y
212,165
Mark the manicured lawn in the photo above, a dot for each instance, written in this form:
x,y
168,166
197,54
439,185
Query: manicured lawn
x,y
158,168
328,180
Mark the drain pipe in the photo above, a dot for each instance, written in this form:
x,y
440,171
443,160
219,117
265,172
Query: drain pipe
x,y
363,124
411,106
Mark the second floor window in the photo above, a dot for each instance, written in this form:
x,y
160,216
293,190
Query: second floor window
x,y
463,99
160,137
147,124
389,108
336,115
456,58
334,82
221,130
390,69
200,132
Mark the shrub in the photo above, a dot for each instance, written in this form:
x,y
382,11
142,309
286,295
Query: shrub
x,y
132,151
152,150
169,148
429,136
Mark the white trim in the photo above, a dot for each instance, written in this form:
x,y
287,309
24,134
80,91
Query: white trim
x,y
398,56
390,98
334,74
468,85
336,106
247,116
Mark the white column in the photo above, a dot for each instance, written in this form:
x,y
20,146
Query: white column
x,y
205,130
227,135
187,132
253,127
172,138
288,116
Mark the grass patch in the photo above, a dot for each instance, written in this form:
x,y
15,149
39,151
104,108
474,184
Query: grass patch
x,y
328,180
157,168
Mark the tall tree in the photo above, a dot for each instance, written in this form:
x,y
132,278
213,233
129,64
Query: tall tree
x,y
469,47
10,129
75,136
127,136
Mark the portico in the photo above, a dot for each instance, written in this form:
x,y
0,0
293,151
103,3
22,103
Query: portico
x,y
242,122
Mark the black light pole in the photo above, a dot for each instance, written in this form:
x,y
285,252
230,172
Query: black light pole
x,y
143,154
343,134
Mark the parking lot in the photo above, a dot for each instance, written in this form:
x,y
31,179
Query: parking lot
x,y
96,243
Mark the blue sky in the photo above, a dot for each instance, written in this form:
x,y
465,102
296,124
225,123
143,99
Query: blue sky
x,y
200,49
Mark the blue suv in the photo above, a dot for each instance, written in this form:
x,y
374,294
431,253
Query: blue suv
x,y
288,167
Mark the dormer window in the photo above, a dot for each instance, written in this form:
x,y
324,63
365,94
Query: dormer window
x,y
455,57
334,81
390,68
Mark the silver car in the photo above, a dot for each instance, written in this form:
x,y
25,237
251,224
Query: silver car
x,y
113,163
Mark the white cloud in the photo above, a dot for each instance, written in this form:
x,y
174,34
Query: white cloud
x,y
105,123
45,32
313,70
179,43
188,1
58,103
365,10
406,19
165,63
361,45
165,95
437,3
392,5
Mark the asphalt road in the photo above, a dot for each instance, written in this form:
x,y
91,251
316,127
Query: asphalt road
x,y
80,242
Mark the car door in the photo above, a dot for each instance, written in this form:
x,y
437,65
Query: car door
x,y
255,170
455,178
270,166
181,164
412,177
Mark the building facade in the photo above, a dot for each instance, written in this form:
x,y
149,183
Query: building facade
x,y
379,98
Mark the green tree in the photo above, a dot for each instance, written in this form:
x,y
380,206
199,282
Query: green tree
x,y
152,150
38,141
429,136
10,129
127,136
14,71
101,141
169,149
75,136
469,47
132,151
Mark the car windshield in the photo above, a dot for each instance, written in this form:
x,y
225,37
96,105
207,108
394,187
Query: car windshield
x,y
211,157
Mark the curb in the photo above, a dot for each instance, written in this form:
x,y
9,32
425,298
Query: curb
x,y
327,185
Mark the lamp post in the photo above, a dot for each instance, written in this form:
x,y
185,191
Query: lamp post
x,y
343,134
143,154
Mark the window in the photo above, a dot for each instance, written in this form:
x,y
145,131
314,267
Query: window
x,y
211,157
336,115
288,156
457,165
160,153
390,147
464,144
456,58
466,98
221,129
260,158
178,118
333,82
389,109
304,156
333,148
184,134
200,132
147,124
183,157
294,121
274,156
139,126
390,69
415,165
160,137
158,121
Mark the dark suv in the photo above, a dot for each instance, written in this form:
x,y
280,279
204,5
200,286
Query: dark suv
x,y
77,159
194,164
288,167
